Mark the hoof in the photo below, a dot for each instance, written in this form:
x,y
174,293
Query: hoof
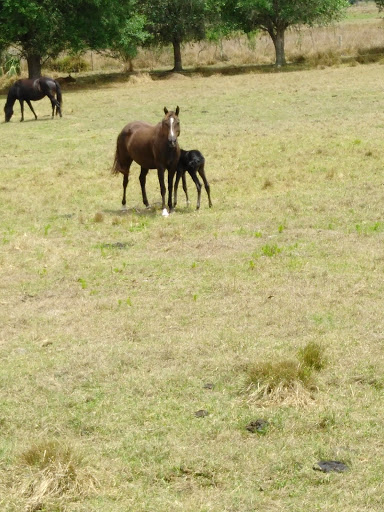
x,y
123,208
165,213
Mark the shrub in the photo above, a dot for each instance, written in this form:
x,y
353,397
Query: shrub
x,y
69,64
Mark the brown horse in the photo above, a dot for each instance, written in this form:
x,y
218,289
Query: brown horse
x,y
152,147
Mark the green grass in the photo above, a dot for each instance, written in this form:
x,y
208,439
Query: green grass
x,y
113,323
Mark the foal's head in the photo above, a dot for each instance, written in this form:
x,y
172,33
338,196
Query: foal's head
x,y
171,123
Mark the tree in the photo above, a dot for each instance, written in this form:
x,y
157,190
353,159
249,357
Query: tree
x,y
44,28
275,16
131,35
176,22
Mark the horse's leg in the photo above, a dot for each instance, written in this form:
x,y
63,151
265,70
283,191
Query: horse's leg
x,y
171,174
184,181
198,187
143,179
30,106
54,103
22,109
125,183
160,175
206,184
178,174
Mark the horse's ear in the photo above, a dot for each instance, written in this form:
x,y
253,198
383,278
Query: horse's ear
x,y
177,110
165,110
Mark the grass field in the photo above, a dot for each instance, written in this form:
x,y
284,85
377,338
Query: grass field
x,y
117,328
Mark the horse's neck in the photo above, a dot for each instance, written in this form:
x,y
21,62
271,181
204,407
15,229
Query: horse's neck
x,y
11,98
168,155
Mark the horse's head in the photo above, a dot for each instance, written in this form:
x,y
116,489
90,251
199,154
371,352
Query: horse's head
x,y
171,124
8,111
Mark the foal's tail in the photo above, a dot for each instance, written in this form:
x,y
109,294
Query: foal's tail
x,y
122,161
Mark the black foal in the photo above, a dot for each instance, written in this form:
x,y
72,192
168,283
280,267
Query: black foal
x,y
193,162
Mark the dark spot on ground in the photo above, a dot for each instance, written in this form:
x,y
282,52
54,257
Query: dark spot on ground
x,y
201,413
327,466
259,426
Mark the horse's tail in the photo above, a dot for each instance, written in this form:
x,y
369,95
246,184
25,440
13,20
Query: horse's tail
x,y
122,160
59,96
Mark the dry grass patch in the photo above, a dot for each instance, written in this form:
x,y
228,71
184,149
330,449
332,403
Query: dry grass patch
x,y
50,474
284,381
290,381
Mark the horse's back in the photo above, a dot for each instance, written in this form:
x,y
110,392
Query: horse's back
x,y
138,139
138,129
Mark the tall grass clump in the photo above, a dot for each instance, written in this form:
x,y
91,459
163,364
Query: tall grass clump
x,y
50,472
291,380
312,356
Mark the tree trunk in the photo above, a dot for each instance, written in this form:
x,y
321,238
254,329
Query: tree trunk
x,y
177,56
34,66
278,41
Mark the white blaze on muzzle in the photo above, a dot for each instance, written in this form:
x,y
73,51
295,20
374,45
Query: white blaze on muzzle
x,y
171,131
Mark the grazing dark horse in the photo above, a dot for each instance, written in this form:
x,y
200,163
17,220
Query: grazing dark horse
x,y
33,89
193,162
152,147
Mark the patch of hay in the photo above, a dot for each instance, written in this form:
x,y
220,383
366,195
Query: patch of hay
x,y
281,381
177,76
140,78
50,472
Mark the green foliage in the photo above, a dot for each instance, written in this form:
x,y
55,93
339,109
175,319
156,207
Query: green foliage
x,y
9,64
276,17
131,35
45,29
176,20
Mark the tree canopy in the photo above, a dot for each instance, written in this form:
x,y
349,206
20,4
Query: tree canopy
x,y
275,16
44,28
176,22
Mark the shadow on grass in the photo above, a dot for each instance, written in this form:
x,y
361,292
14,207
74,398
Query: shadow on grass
x,y
95,80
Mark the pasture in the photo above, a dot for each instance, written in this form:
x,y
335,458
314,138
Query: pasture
x,y
117,328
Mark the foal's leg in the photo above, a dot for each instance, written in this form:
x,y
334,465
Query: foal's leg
x,y
143,179
160,175
198,186
184,181
201,171
178,175
30,106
